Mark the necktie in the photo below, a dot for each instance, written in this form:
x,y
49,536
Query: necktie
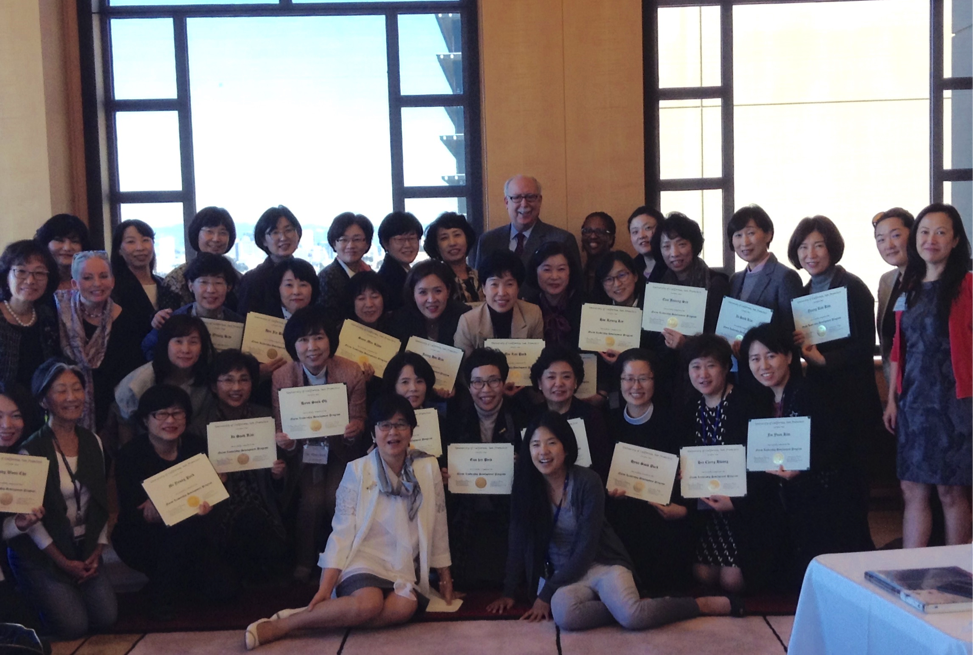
x,y
519,249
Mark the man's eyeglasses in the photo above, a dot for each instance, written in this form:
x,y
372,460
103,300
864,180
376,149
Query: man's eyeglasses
x,y
477,384
529,197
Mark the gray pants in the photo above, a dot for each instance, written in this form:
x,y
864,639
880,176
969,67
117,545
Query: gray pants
x,y
606,594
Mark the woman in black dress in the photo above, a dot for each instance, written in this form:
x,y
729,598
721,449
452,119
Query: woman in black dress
x,y
399,236
277,233
930,405
350,235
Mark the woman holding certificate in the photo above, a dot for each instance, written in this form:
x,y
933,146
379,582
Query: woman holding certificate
x,y
642,225
213,232
448,240
389,532
409,375
842,369
557,278
429,310
57,563
297,284
503,315
178,559
277,233
929,404
311,338
367,301
350,236
574,565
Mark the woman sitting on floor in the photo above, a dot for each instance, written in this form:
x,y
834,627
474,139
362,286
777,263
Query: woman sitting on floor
x,y
390,515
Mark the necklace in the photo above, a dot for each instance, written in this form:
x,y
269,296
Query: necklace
x,y
33,315
94,316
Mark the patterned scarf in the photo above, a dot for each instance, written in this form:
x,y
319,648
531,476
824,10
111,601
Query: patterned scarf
x,y
76,345
699,275
408,485
557,327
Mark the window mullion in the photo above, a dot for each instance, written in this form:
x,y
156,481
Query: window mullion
x,y
181,41
395,110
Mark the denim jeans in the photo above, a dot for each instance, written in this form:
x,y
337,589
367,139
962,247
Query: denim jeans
x,y
67,610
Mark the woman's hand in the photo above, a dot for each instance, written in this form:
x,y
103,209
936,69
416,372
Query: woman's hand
x,y
368,371
609,355
799,339
719,503
811,353
511,389
500,605
266,370
782,473
323,595
204,508
149,512
616,493
446,585
92,564
354,428
736,348
891,415
670,512
541,611
445,394
445,473
75,569
160,318
284,442
277,469
674,340
25,522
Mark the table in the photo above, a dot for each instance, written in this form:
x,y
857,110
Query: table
x,y
840,612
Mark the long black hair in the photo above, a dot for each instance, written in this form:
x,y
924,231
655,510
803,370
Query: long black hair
x,y
957,265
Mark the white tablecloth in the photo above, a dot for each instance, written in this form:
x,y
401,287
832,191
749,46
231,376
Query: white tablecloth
x,y
840,612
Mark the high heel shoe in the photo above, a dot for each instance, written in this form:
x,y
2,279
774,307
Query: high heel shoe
x,y
250,638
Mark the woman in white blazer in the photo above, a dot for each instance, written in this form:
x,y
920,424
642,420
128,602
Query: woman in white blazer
x,y
503,315
391,512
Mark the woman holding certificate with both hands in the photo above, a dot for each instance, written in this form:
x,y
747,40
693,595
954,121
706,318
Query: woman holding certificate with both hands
x,y
389,531
316,468
574,565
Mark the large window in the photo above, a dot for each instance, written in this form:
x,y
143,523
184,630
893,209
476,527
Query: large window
x,y
323,107
806,108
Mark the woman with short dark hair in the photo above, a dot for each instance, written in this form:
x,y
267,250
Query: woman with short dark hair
x,y
211,231
557,278
350,236
277,233
449,239
367,302
64,235
297,284
399,235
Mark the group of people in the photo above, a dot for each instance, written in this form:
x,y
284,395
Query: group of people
x,y
109,371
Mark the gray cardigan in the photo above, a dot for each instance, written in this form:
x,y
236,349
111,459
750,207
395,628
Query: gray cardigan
x,y
594,542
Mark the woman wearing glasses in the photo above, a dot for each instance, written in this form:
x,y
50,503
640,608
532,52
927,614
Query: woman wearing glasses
x,y
211,231
399,236
181,559
597,240
388,536
277,233
28,333
350,235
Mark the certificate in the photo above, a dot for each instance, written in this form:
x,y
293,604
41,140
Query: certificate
x,y
22,482
589,387
443,359
736,317
581,436
776,442
426,436
643,473
822,317
316,411
367,346
713,470
178,491
608,327
673,306
226,335
481,468
263,337
241,445
521,355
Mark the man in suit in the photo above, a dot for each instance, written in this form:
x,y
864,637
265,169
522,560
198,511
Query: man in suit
x,y
522,198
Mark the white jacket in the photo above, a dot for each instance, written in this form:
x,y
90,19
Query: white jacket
x,y
354,513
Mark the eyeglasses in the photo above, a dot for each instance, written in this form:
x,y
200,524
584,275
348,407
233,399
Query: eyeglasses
x,y
477,384
22,274
612,279
358,241
165,414
403,240
529,197
642,379
286,232
596,231
234,381
389,426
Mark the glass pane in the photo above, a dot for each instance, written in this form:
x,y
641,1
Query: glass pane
x,y
433,148
166,218
706,208
291,111
430,54
958,44
960,195
957,122
689,46
148,151
690,139
143,58
825,52
816,104
948,40
182,3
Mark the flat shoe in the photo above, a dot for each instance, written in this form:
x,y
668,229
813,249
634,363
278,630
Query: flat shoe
x,y
250,638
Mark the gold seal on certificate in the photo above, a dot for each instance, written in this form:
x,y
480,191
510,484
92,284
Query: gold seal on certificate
x,y
607,327
314,411
443,359
23,480
426,436
367,346
713,470
521,355
776,442
241,445
736,317
643,473
178,491
263,337
481,468
226,335
675,307
822,317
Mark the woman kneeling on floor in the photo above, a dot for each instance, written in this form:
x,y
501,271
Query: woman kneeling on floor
x,y
561,542
368,570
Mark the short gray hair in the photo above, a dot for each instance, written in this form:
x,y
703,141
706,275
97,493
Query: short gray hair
x,y
77,264
506,185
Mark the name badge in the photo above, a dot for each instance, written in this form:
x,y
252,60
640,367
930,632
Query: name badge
x,y
899,304
315,453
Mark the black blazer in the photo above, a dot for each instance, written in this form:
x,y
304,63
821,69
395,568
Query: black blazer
x,y
255,294
334,283
499,239
408,322
131,296
394,276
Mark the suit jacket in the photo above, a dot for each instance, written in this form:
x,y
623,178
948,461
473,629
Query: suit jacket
x,y
499,239
408,322
394,276
334,283
777,285
475,326
885,285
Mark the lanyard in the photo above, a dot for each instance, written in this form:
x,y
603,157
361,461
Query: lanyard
x,y
548,565
74,480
